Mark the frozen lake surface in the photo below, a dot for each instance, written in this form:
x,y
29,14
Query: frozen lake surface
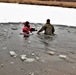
x,y
37,14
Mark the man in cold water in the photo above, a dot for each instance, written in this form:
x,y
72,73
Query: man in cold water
x,y
47,28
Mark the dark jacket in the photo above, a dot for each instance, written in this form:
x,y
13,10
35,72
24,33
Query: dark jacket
x,y
48,29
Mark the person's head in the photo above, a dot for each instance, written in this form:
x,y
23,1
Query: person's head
x,y
27,24
48,21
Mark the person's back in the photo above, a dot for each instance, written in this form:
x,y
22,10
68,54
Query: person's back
x,y
48,28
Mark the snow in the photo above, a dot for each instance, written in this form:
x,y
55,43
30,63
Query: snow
x,y
13,12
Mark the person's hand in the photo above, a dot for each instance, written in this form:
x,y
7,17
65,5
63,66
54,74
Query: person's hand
x,y
38,33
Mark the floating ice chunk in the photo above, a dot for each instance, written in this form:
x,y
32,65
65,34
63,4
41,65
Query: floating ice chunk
x,y
73,67
37,58
31,73
62,56
12,62
50,52
13,28
9,36
32,54
12,53
29,41
29,60
15,55
23,57
2,65
5,30
4,47
42,60
31,33
1,25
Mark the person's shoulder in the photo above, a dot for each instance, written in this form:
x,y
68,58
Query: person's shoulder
x,y
52,25
45,24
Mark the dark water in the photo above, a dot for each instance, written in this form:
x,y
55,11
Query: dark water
x,y
62,43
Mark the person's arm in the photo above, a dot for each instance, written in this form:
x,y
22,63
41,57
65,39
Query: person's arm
x,y
43,28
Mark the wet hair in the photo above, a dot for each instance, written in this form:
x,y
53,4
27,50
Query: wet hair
x,y
27,24
48,21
